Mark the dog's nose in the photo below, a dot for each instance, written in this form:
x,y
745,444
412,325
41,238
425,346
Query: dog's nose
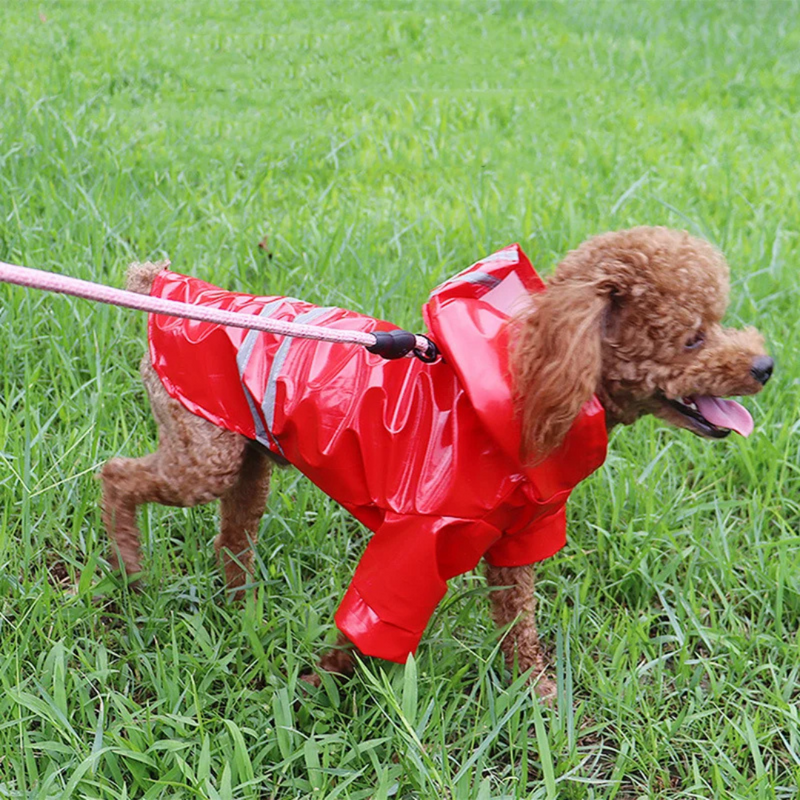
x,y
762,368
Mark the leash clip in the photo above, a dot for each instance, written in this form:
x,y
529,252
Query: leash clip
x,y
398,344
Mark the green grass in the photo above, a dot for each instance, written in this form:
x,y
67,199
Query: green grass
x,y
379,148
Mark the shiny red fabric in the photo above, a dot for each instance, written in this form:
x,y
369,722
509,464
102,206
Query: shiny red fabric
x,y
425,455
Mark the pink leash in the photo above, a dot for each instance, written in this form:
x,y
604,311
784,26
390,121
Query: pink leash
x,y
392,344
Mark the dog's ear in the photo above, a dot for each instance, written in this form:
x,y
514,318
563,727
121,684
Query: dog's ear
x,y
557,359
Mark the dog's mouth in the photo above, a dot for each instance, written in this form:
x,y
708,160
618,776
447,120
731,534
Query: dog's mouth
x,y
715,417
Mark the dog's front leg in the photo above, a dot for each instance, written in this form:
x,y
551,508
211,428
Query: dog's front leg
x,y
513,603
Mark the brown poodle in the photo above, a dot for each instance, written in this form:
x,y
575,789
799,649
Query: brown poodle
x,y
632,317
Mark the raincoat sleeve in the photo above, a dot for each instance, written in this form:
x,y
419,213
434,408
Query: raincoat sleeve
x,y
538,541
403,575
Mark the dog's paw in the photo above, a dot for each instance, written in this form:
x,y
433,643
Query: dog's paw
x,y
545,688
312,679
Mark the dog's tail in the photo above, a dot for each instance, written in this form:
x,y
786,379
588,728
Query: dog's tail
x,y
141,276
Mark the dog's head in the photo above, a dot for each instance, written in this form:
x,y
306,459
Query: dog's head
x,y
634,317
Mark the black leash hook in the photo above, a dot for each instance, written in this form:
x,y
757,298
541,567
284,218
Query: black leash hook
x,y
397,344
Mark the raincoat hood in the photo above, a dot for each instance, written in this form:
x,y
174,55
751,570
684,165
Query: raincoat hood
x,y
471,320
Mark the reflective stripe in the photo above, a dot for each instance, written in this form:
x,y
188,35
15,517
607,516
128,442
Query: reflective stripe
x,y
481,278
509,255
270,394
242,360
246,350
262,434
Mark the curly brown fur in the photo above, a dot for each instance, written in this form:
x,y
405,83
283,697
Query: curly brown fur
x,y
632,317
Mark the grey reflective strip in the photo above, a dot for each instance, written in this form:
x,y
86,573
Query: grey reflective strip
x,y
243,359
481,278
246,350
262,434
270,394
502,255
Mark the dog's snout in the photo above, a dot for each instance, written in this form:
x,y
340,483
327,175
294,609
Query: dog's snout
x,y
762,368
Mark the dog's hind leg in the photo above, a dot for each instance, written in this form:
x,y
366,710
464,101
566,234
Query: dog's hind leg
x,y
514,603
195,463
241,509
123,490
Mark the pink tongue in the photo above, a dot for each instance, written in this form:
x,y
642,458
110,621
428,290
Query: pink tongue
x,y
725,414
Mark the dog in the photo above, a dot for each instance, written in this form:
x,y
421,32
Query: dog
x,y
470,457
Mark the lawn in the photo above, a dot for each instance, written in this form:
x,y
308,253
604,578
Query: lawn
x,y
356,154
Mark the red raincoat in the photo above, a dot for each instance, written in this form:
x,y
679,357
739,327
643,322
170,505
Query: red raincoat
x,y
425,455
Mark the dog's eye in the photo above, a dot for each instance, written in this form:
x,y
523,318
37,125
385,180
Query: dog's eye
x,y
693,342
